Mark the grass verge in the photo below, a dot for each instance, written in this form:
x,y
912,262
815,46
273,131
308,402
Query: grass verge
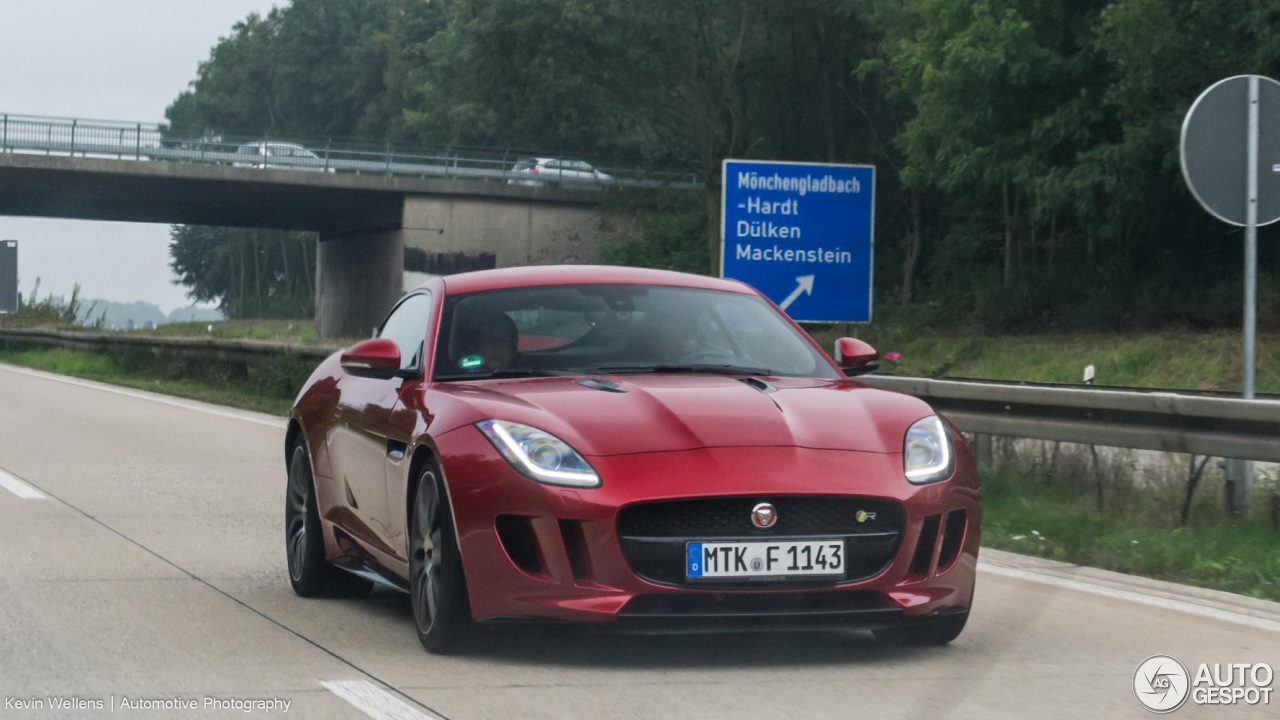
x,y
295,331
1195,361
250,390
1025,513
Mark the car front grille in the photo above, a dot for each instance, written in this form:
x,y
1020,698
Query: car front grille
x,y
653,535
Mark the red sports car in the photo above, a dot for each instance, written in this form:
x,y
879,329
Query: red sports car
x,y
625,449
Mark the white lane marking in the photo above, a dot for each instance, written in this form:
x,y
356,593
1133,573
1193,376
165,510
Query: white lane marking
x,y
141,395
1181,606
19,488
374,701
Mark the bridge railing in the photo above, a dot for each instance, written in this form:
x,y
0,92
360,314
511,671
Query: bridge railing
x,y
143,142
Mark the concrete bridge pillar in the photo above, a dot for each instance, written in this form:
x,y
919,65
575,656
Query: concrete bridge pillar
x,y
359,277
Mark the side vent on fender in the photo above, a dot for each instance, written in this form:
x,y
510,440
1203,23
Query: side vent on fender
x,y
952,539
515,532
923,558
575,547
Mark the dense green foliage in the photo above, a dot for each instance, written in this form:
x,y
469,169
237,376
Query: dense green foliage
x,y
249,273
1027,149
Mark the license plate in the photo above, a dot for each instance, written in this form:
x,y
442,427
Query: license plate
x,y
782,559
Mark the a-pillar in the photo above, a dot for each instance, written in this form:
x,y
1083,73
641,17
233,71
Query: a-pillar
x,y
359,277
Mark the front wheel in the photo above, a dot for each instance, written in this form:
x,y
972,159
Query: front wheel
x,y
441,610
309,573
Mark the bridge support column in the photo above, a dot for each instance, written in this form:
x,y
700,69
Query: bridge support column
x,y
358,278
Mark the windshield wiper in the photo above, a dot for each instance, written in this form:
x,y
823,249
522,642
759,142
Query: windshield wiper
x,y
698,368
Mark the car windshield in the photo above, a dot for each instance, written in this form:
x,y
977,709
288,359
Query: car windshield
x,y
601,329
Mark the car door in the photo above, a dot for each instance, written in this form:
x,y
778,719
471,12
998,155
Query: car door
x,y
360,440
554,170
408,414
582,170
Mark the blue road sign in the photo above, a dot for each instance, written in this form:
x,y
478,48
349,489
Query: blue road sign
x,y
801,233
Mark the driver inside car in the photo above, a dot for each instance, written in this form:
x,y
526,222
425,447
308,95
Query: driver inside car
x,y
494,339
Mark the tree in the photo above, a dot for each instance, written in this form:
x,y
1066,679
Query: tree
x,y
1001,90
1026,149
248,272
313,68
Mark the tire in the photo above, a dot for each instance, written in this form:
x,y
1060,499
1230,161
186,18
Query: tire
x,y
932,633
437,587
309,573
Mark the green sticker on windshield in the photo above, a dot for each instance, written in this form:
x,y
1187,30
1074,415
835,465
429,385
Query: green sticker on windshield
x,y
471,362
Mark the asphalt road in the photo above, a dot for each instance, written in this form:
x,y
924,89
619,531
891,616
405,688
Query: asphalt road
x,y
142,560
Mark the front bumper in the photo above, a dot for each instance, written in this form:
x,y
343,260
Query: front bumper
x,y
532,552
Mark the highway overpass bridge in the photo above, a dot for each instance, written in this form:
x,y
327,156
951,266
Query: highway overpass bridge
x,y
365,222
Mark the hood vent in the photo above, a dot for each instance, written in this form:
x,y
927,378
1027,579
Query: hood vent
x,y
601,384
758,384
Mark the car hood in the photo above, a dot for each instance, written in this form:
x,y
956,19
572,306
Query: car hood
x,y
662,413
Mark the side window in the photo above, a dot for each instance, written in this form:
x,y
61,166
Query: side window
x,y
407,327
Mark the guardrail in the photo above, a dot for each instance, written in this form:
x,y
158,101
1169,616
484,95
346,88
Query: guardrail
x,y
1134,418
195,347
145,142
1137,418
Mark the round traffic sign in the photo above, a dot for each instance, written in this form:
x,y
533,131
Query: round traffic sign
x,y
1214,149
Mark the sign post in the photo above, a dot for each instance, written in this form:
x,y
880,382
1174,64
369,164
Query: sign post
x,y
1221,147
8,276
801,233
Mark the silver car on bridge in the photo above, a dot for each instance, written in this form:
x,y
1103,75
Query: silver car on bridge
x,y
264,154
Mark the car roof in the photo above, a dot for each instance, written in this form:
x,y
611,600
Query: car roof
x,y
533,275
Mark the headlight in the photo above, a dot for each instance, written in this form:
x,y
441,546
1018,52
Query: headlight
x,y
539,455
926,451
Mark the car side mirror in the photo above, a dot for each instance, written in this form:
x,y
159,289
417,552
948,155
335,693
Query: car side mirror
x,y
856,357
379,356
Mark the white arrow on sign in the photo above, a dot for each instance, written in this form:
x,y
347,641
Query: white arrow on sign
x,y
805,286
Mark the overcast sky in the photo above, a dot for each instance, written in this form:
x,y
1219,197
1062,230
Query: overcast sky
x,y
104,60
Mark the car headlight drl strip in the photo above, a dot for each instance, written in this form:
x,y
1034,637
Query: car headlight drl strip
x,y
926,451
539,455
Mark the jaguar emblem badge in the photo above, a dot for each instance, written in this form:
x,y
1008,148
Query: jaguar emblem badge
x,y
764,516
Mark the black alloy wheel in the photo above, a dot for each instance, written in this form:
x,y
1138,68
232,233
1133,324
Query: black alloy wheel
x,y
441,610
309,573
